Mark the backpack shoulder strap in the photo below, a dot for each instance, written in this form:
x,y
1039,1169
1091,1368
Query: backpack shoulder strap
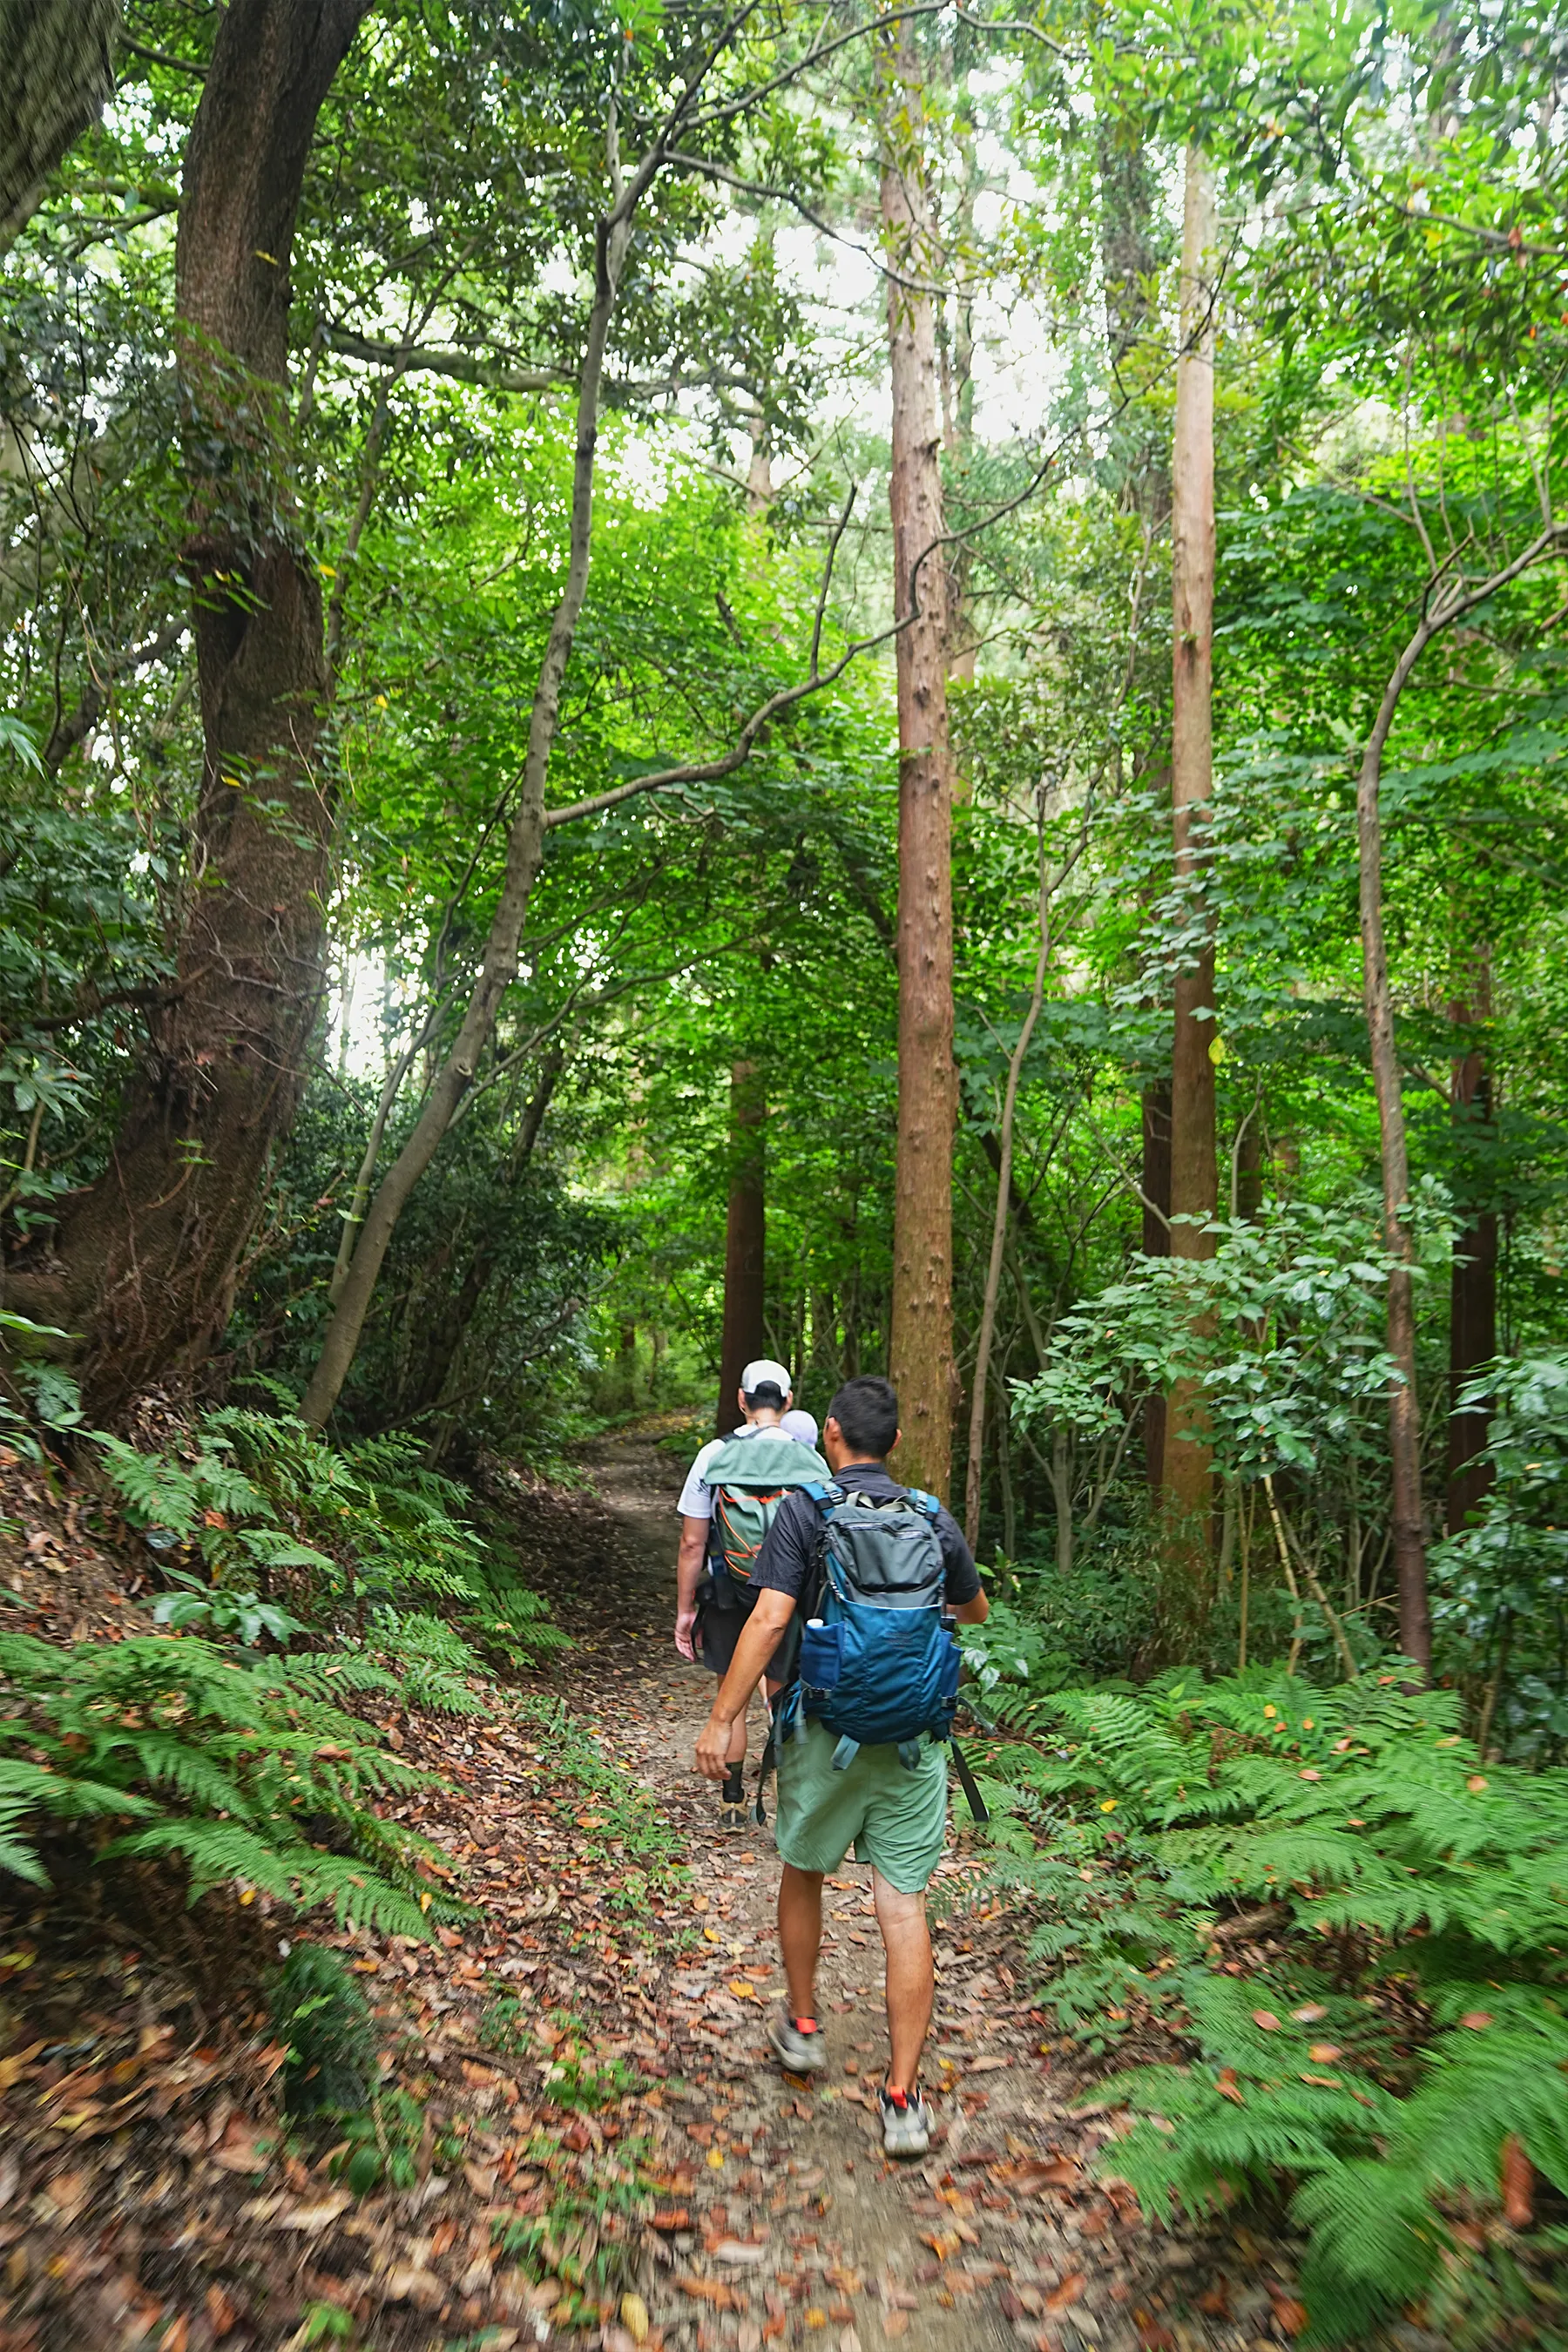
x,y
919,1500
825,1497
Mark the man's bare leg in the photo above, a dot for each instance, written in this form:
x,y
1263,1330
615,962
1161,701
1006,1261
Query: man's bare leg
x,y
907,1942
800,1935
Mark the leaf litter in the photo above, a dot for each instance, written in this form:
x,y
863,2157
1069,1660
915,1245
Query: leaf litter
x,y
598,2150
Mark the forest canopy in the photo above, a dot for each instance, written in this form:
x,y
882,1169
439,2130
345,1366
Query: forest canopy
x,y
888,686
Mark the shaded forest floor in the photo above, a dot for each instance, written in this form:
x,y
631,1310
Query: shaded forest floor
x,y
665,2185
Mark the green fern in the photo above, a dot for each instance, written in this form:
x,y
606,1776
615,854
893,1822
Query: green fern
x,y
262,1500
221,1764
1143,1820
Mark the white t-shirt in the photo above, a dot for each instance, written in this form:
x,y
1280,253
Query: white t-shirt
x,y
696,1495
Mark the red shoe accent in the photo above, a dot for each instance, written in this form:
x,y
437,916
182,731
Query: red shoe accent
x,y
901,2099
804,2024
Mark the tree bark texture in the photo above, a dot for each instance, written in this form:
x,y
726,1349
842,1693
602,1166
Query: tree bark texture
x,y
149,1254
1409,1543
745,1237
1155,1188
56,70
1472,1285
920,1342
1186,1472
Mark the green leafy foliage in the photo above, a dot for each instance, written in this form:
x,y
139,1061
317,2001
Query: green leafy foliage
x,y
241,1773
1501,1584
1420,2014
321,2014
259,1497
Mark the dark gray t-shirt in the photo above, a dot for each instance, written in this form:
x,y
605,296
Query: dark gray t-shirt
x,y
789,1548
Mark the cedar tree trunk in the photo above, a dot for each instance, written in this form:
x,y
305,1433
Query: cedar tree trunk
x,y
1186,1468
920,1341
149,1254
744,1238
1155,1188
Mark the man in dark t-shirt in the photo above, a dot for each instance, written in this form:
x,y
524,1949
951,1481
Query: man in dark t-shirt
x,y
895,1817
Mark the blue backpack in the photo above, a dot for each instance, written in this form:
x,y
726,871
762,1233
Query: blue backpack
x,y
878,1662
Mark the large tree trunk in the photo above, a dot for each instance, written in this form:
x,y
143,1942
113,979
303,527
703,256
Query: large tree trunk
x,y
1186,1469
745,1235
920,1342
1472,1285
149,1254
1155,1188
56,70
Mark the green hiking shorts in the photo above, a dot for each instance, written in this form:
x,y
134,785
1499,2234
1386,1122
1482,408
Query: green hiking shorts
x,y
894,1818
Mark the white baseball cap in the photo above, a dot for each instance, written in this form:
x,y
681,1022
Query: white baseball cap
x,y
765,1374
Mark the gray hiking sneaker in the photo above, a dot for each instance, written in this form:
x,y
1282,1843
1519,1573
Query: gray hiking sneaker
x,y
906,2124
797,2042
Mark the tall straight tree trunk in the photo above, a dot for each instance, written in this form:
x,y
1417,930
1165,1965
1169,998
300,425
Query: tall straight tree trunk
x,y
745,1238
150,1252
1186,1469
1472,1285
1156,1191
56,70
920,1341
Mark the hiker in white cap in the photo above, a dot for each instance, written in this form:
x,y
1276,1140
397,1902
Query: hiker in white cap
x,y
732,1493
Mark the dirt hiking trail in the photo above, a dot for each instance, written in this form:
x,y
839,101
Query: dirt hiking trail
x,y
595,2147
995,2238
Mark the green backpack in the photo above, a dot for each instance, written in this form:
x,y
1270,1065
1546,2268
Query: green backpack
x,y
749,1478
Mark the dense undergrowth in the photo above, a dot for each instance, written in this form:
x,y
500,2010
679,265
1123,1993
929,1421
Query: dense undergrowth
x,y
295,1584
1353,1932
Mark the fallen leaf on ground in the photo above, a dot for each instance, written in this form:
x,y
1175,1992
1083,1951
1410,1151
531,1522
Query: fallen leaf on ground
x,y
1029,2180
1518,2184
714,2290
740,2251
1267,2019
895,2323
633,2317
407,2284
239,2152
1290,2316
311,2217
17,2064
1066,2293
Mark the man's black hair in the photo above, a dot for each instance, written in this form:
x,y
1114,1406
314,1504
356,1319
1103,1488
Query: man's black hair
x,y
867,1411
766,1392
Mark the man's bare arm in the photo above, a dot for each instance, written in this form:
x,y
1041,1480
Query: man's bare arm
x,y
976,1611
688,1572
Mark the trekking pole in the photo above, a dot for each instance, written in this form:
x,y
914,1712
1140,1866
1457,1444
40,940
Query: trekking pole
x,y
966,1782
